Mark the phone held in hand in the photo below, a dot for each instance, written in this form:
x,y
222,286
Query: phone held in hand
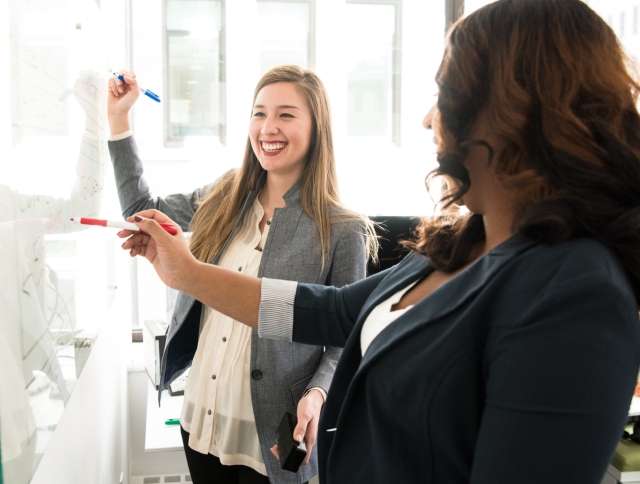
x,y
292,452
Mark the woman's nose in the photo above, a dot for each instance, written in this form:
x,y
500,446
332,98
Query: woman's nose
x,y
269,126
427,122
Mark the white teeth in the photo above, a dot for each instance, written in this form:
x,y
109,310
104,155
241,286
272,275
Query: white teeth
x,y
273,146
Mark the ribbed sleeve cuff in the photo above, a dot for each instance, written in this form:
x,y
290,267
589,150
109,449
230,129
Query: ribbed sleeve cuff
x,y
275,317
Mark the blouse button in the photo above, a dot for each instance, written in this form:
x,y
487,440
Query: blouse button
x,y
224,339
240,269
209,412
256,375
213,377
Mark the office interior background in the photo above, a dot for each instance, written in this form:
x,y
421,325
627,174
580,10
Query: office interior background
x,y
97,420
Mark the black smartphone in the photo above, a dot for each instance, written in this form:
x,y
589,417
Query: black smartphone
x,y
292,452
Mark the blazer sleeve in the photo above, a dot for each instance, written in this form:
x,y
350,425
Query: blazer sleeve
x,y
349,264
312,313
133,190
558,386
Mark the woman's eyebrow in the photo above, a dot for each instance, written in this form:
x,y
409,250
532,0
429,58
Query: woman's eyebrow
x,y
282,106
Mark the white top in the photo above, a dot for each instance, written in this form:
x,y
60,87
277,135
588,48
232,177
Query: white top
x,y
382,316
222,422
277,300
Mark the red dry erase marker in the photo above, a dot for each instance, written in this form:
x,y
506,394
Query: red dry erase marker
x,y
119,224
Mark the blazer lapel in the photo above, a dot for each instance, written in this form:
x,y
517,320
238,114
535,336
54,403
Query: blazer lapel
x,y
444,300
411,268
286,219
416,267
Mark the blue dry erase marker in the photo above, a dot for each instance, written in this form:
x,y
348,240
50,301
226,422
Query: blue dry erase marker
x,y
147,92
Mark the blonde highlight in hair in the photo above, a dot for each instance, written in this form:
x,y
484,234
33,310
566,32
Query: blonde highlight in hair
x,y
218,214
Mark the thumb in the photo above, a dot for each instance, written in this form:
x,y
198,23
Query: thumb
x,y
151,227
301,429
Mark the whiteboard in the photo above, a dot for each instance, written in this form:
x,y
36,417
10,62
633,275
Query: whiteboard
x,y
53,277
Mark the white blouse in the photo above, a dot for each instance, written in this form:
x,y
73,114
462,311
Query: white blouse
x,y
222,422
382,316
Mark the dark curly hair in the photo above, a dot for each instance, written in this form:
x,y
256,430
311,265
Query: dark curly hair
x,y
552,80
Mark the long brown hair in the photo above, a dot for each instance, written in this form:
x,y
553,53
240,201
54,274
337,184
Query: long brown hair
x,y
554,84
223,208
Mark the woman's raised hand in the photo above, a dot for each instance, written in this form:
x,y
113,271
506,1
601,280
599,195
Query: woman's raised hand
x,y
169,254
121,96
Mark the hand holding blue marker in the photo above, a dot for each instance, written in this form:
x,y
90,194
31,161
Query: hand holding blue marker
x,y
147,92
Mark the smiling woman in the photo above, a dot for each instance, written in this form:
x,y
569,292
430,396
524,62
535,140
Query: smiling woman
x,y
278,215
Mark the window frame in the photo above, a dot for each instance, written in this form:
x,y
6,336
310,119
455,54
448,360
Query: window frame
x,y
220,131
396,66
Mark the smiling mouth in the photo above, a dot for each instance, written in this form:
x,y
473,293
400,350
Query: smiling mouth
x,y
272,147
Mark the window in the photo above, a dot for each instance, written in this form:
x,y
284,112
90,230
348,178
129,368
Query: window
x,y
388,73
194,69
471,5
286,33
624,19
373,60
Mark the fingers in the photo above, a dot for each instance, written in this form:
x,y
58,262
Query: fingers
x,y
137,244
128,74
152,214
130,79
138,239
141,250
113,87
301,429
308,416
118,87
310,440
275,451
152,227
123,234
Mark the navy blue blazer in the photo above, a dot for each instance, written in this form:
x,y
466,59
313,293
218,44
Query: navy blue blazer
x,y
520,369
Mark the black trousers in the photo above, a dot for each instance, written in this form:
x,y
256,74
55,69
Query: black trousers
x,y
207,469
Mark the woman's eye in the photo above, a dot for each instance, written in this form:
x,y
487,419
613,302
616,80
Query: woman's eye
x,y
287,115
258,114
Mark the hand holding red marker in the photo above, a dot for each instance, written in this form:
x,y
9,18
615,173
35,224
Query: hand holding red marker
x,y
170,255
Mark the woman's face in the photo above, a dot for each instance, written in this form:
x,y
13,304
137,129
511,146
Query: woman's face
x,y
280,129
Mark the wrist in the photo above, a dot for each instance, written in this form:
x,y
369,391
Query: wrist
x,y
118,123
316,392
193,272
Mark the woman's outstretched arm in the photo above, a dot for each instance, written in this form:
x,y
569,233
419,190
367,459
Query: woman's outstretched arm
x,y
324,315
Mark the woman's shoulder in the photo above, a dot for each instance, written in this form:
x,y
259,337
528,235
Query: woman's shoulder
x,y
576,259
582,254
344,221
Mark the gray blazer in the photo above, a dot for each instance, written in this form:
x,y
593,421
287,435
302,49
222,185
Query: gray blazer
x,y
280,371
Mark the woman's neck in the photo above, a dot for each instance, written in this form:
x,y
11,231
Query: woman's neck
x,y
272,194
498,227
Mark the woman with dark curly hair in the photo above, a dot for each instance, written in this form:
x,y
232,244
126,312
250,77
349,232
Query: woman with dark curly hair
x,y
505,347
